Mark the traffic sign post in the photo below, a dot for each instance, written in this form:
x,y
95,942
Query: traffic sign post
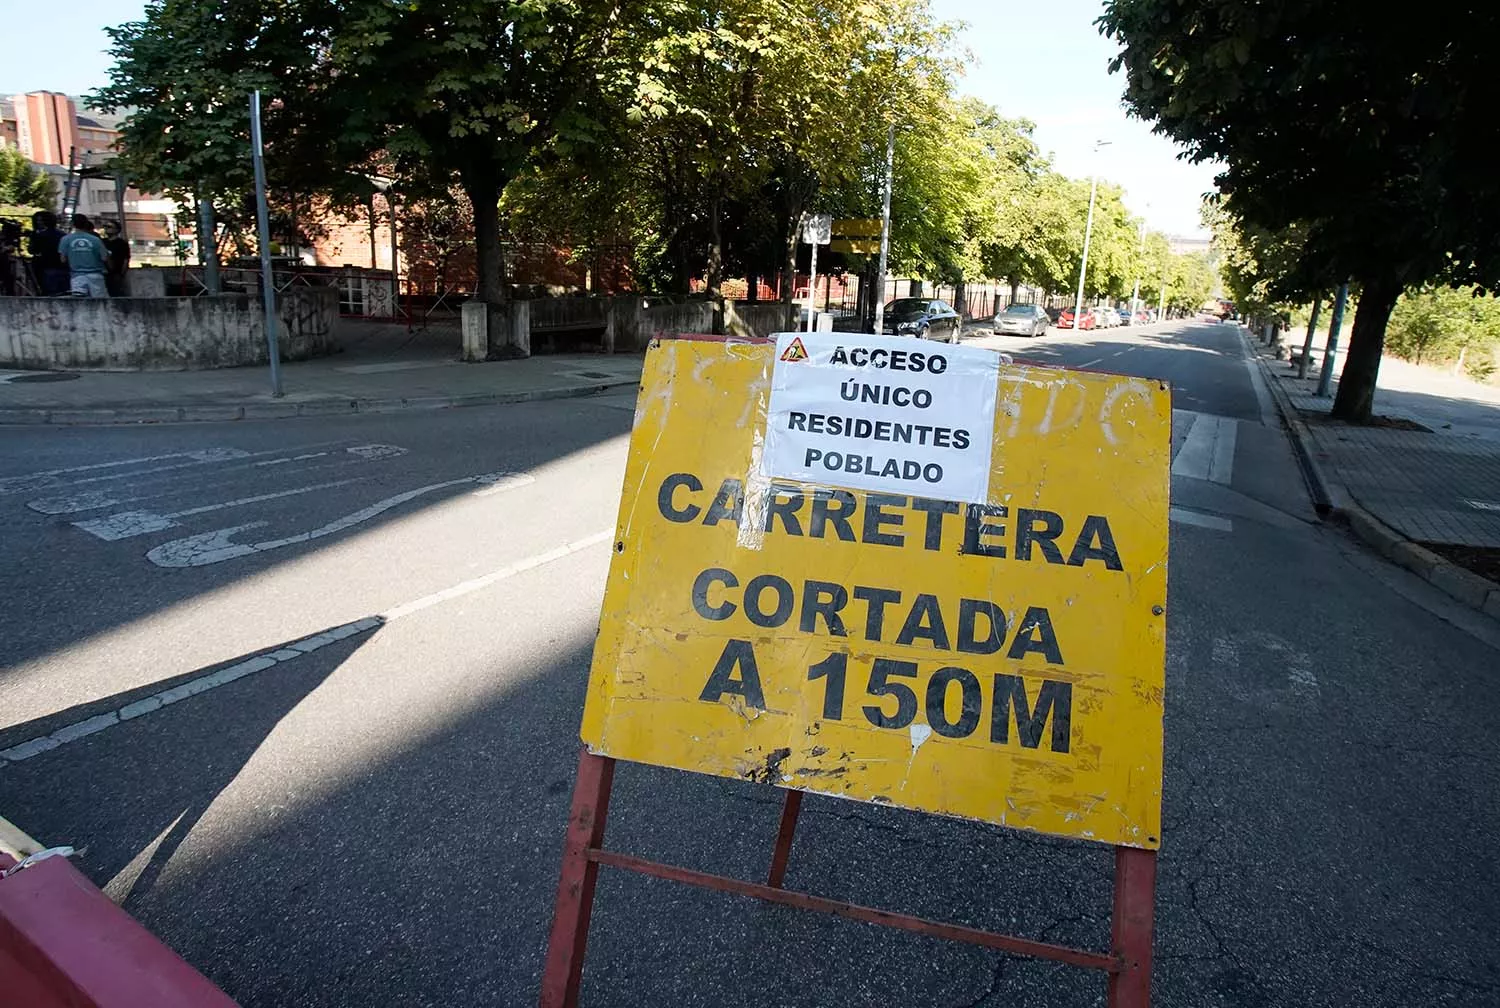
x,y
816,230
912,576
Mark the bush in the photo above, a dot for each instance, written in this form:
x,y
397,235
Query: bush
x,y
1440,324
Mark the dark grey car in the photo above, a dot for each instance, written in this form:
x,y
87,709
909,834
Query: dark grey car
x,y
922,318
1022,320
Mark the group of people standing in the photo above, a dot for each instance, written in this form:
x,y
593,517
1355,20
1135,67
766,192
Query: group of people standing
x,y
78,262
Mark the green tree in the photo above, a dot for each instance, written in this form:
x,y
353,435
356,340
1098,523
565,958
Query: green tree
x,y
23,186
1368,135
183,75
1436,323
474,90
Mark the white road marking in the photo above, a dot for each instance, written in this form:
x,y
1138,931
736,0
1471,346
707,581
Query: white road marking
x,y
91,500
217,546
128,524
294,458
1208,453
11,483
192,687
500,574
289,652
1186,517
197,457
376,451
509,481
1091,363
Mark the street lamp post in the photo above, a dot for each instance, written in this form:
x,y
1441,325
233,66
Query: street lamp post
x,y
1088,233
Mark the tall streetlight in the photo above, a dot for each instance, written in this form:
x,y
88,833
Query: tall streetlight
x,y
1088,233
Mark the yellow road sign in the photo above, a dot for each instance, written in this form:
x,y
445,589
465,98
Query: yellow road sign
x,y
863,246
998,659
857,227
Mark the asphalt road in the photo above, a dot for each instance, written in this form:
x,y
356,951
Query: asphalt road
x,y
374,816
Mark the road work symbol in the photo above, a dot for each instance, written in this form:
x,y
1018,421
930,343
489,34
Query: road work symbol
x,y
795,351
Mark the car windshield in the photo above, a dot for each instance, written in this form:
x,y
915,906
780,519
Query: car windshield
x,y
1019,309
906,306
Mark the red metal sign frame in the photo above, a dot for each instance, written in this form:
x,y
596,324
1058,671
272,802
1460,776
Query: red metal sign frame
x,y
1128,963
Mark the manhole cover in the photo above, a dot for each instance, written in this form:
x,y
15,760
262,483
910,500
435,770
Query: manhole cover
x,y
43,376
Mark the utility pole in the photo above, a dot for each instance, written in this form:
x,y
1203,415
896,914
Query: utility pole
x,y
885,228
1161,302
1325,379
1088,233
263,232
1312,327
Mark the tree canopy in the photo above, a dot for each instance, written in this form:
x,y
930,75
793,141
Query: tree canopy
x,y
697,135
1363,144
23,186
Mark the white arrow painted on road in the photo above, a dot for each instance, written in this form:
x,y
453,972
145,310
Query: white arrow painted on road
x,y
216,547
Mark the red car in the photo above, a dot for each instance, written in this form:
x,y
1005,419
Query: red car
x,y
1065,320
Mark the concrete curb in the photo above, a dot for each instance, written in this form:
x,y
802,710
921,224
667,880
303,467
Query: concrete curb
x,y
219,412
1458,583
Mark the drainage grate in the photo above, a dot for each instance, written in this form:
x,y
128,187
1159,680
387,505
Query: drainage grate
x,y
42,376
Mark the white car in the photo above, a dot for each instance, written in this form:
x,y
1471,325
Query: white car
x,y
1106,318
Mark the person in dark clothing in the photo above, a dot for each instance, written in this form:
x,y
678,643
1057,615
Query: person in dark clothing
x,y
46,264
119,259
10,256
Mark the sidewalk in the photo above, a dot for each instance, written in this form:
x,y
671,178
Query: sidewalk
x,y
1423,484
383,368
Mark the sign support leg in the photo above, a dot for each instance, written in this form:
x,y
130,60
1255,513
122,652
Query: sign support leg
x,y
783,851
575,889
1130,927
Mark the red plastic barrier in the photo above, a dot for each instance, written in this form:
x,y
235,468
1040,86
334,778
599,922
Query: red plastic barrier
x,y
63,943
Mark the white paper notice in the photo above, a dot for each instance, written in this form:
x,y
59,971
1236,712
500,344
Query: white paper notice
x,y
885,413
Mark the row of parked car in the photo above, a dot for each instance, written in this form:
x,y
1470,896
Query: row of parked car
x,y
1103,318
1033,320
928,319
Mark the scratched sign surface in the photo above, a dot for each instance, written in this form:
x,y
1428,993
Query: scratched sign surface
x,y
999,660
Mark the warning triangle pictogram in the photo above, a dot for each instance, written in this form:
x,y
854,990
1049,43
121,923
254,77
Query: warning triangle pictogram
x,y
795,351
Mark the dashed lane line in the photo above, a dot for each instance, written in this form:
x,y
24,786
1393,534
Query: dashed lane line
x,y
289,652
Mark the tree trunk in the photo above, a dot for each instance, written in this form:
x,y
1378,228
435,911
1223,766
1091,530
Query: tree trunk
x,y
714,280
485,199
1356,397
789,278
1015,291
752,287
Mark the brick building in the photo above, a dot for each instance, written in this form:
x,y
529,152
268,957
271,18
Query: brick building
x,y
47,128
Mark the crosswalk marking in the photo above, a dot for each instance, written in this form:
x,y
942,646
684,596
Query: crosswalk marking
x,y
1208,452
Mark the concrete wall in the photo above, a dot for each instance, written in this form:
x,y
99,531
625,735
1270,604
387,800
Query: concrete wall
x,y
161,334
758,318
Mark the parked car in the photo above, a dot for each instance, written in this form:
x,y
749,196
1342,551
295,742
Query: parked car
x,y
1106,318
1144,316
1052,314
1022,320
1127,317
1087,321
923,319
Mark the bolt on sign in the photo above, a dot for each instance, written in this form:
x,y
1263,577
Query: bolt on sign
x,y
896,572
